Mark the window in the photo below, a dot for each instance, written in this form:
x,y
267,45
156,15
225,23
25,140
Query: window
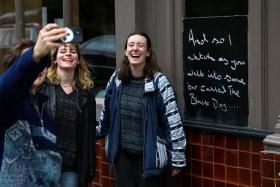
x,y
202,8
97,18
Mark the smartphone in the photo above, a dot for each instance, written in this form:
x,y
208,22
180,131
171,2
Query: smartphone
x,y
74,35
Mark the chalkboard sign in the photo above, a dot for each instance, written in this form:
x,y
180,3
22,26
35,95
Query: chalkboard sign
x,y
216,70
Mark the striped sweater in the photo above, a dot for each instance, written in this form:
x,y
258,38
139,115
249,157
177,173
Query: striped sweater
x,y
164,137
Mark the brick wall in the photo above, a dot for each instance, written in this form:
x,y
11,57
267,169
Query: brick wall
x,y
214,159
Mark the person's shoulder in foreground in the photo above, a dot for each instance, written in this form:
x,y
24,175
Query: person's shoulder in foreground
x,y
27,128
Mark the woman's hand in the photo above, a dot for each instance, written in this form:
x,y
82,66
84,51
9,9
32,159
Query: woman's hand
x,y
175,171
46,40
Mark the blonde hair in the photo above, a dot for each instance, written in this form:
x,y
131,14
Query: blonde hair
x,y
81,76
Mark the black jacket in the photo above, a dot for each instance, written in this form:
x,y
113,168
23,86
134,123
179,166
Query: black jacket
x,y
86,132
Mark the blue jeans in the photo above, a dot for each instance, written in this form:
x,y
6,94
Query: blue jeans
x,y
69,179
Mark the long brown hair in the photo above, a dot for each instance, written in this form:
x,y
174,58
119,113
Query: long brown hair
x,y
81,77
151,65
14,53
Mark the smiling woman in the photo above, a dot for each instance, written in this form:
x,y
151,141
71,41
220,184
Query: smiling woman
x,y
72,101
139,99
137,51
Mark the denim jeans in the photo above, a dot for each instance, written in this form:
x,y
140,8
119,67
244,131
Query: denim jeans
x,y
69,179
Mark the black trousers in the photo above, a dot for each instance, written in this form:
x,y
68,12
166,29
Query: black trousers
x,y
129,172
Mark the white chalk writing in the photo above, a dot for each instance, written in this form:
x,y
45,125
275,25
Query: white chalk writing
x,y
212,76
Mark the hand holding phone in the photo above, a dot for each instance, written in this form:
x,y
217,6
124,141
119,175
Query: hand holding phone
x,y
47,40
74,35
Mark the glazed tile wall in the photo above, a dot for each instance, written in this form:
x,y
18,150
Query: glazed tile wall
x,y
270,166
223,160
214,159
